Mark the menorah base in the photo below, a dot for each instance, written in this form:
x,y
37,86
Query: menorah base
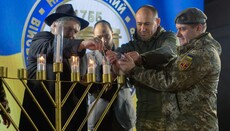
x,y
91,78
75,76
41,75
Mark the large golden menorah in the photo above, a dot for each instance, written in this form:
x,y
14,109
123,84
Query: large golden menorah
x,y
58,102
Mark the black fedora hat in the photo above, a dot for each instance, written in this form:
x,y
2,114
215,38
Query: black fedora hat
x,y
65,10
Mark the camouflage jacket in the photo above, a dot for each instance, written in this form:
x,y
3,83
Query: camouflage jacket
x,y
153,107
194,75
3,99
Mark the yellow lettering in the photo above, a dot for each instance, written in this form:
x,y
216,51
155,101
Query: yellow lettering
x,y
35,22
51,2
33,27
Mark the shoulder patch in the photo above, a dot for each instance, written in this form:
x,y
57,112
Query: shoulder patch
x,y
185,62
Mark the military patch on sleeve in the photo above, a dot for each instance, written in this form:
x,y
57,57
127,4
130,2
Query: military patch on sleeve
x,y
185,62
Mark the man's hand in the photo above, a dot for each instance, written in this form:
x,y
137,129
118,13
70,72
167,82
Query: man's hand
x,y
6,120
92,44
112,56
126,64
136,57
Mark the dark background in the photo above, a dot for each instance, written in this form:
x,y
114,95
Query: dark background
x,y
218,13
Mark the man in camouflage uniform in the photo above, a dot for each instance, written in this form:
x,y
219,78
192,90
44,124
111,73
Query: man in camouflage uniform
x,y
4,102
194,74
153,107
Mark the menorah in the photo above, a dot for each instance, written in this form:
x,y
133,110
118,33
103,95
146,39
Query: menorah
x,y
58,102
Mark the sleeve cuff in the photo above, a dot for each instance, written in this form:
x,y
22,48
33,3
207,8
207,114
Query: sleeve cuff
x,y
132,71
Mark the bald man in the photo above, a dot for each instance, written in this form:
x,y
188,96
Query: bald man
x,y
193,75
154,108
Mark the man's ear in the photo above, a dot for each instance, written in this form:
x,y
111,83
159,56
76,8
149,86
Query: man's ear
x,y
158,20
199,28
54,24
52,27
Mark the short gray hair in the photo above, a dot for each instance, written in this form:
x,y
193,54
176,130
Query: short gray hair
x,y
64,19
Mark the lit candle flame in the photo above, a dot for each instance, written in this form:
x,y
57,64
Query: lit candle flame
x,y
73,59
41,62
74,64
41,59
91,62
91,66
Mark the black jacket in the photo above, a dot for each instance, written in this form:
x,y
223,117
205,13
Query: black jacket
x,y
3,99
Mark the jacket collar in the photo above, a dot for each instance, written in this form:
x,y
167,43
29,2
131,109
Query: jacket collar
x,y
193,43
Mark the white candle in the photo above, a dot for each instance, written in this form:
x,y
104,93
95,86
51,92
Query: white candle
x,y
106,66
74,68
58,48
41,63
90,70
91,67
74,64
106,69
41,67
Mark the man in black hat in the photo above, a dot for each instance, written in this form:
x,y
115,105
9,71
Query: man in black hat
x,y
193,75
42,43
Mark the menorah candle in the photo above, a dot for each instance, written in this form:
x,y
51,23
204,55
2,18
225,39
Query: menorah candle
x,y
41,62
106,66
74,64
91,66
58,43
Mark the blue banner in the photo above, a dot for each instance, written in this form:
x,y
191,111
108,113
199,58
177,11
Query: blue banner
x,y
14,16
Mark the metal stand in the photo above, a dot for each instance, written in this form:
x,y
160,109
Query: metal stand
x,y
58,102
